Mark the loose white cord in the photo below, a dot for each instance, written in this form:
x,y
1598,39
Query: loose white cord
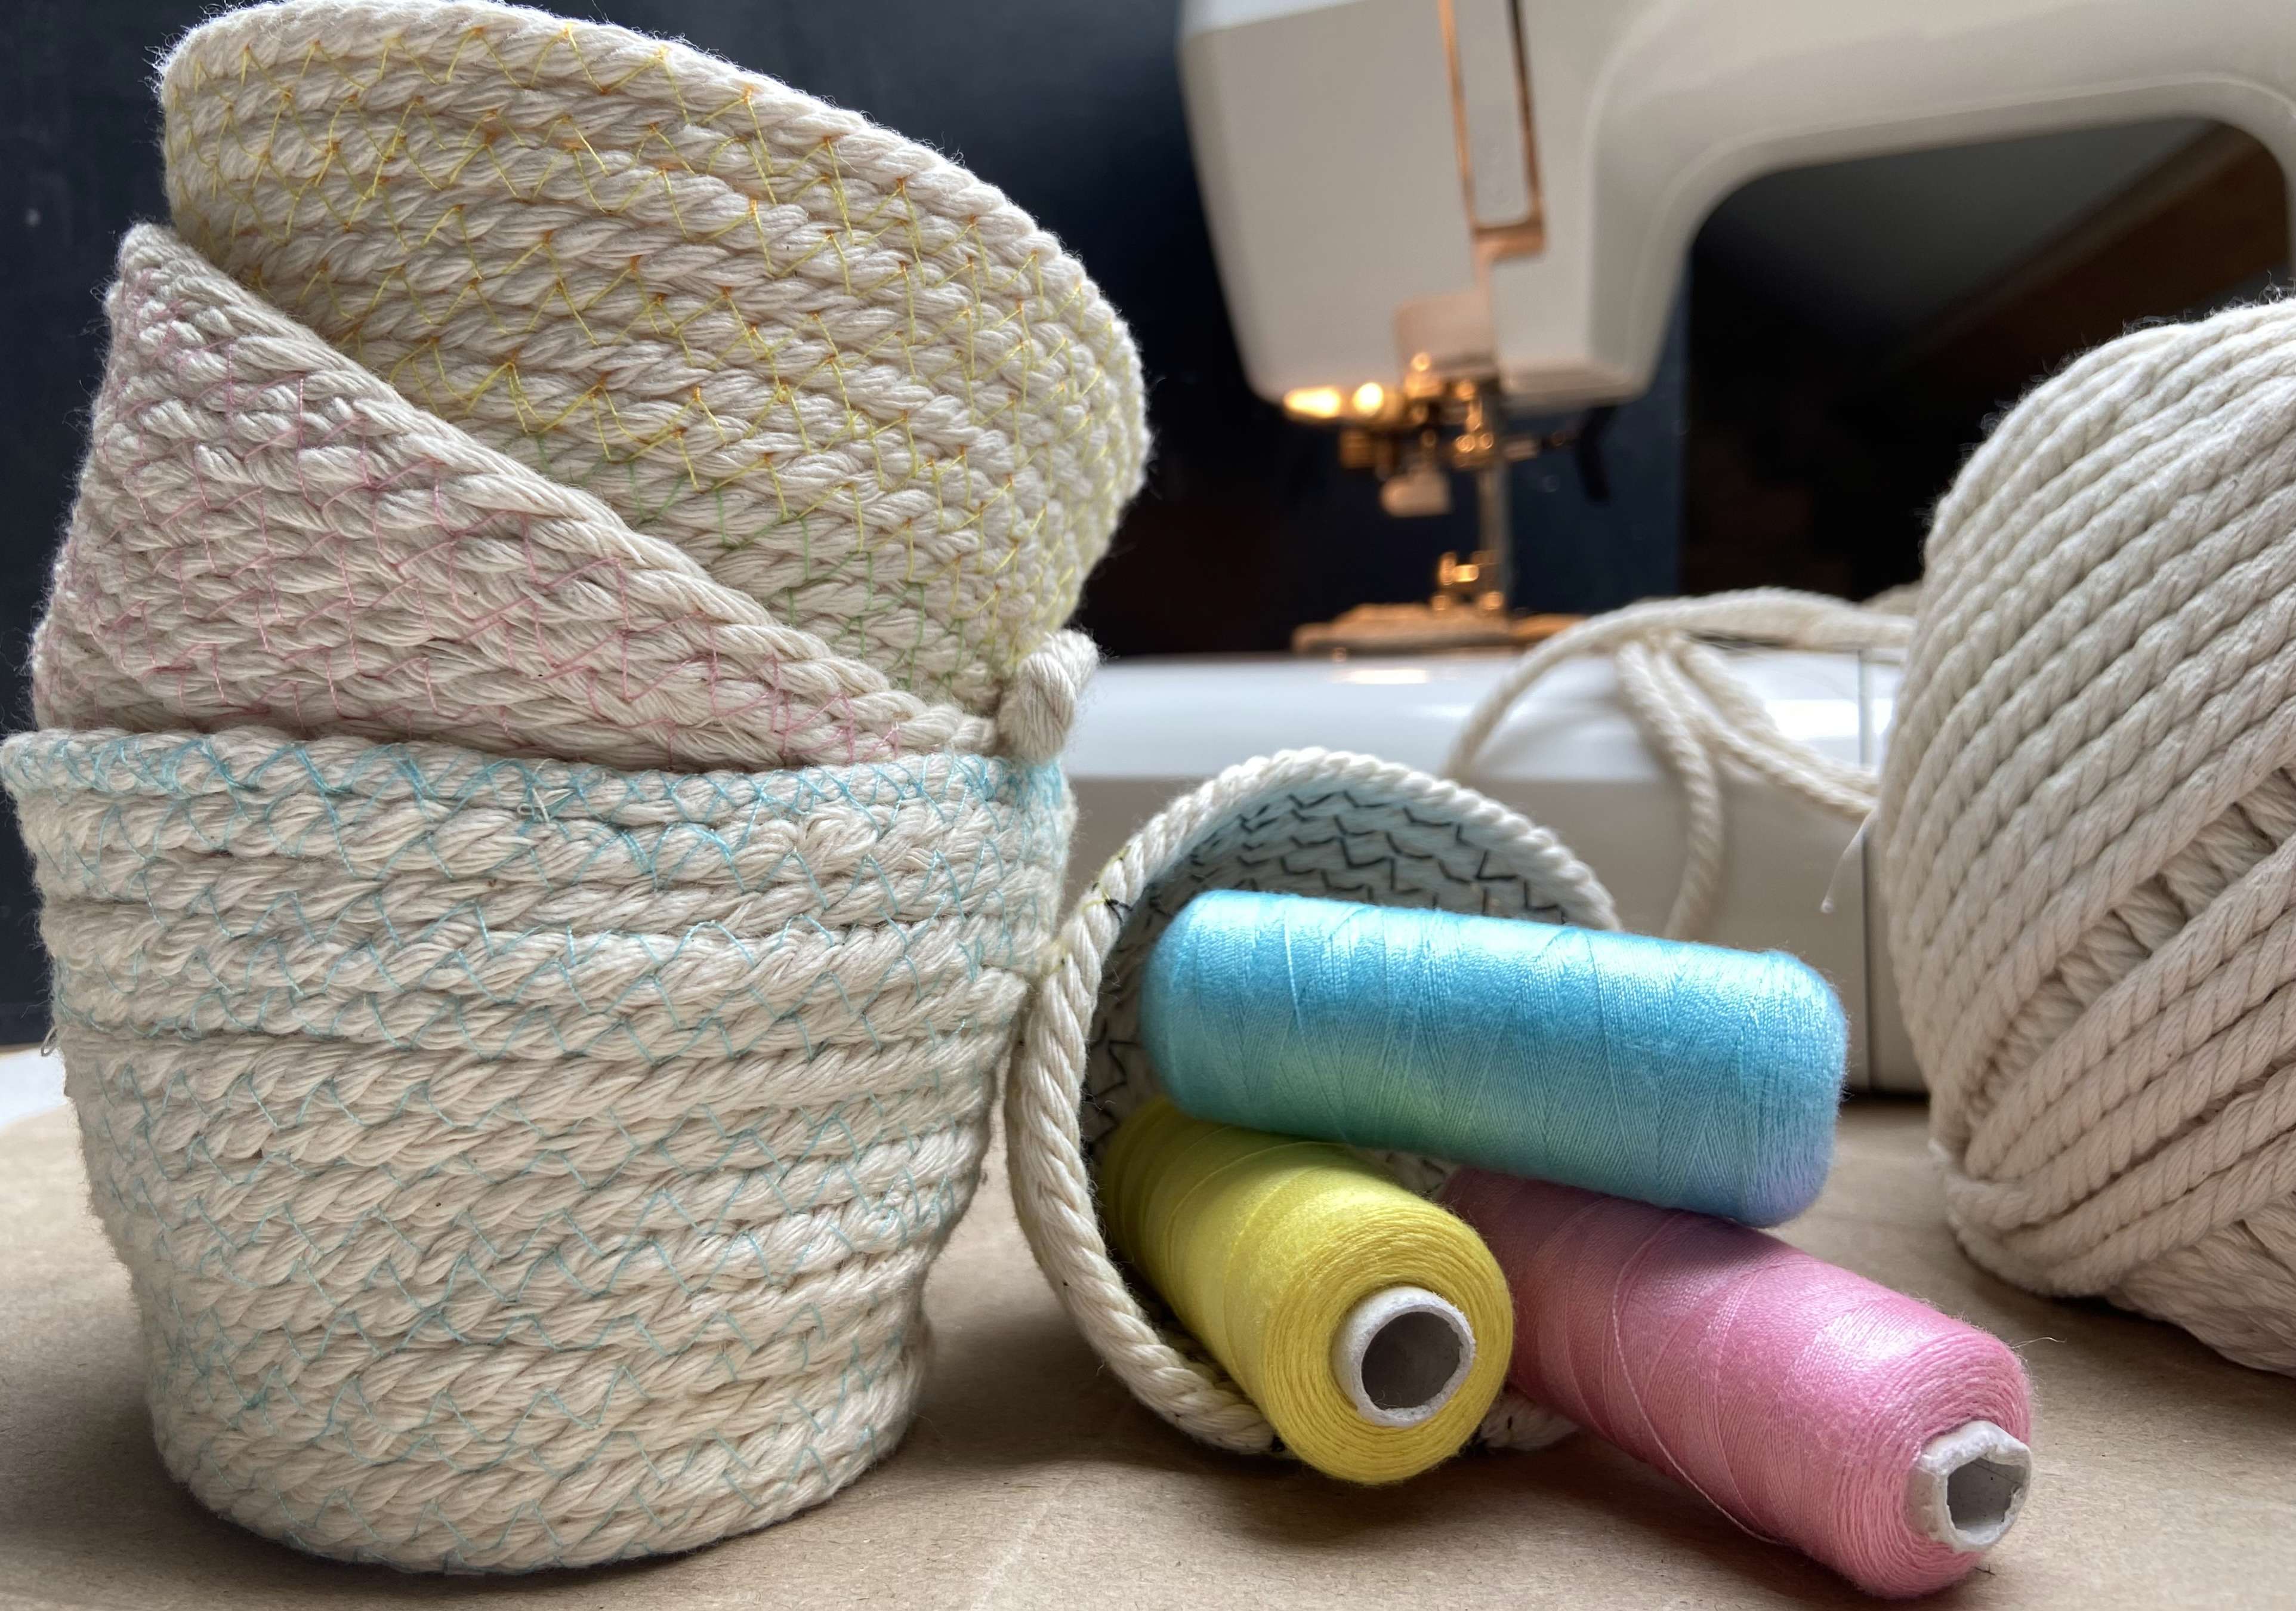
x,y
1698,717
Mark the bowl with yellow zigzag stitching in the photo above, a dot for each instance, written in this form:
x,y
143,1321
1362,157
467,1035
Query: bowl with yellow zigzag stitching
x,y
850,378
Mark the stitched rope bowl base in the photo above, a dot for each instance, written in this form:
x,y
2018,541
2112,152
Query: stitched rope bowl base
x,y
523,1165
1312,822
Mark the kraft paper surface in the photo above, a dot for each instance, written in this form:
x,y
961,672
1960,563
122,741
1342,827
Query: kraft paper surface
x,y
2166,1478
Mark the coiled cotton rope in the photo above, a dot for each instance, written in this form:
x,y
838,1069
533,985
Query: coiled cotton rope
x,y
2088,833
532,970
520,1164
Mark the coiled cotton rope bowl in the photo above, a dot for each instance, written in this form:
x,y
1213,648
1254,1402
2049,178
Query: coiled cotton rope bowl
x,y
531,965
847,377
1311,822
524,1165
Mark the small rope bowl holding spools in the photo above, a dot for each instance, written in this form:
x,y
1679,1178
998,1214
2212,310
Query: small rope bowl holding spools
x,y
1311,822
545,809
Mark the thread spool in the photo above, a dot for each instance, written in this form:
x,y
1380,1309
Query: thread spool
x,y
1370,1326
1814,1406
1684,1076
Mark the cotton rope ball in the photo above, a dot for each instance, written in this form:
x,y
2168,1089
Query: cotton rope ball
x,y
851,378
2085,829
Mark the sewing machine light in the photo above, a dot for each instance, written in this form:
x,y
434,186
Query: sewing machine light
x,y
1368,402
1313,402
1414,438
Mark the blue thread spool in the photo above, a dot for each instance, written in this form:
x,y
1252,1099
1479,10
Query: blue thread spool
x,y
1684,1075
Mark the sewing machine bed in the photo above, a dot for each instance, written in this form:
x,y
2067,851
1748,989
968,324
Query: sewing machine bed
x,y
2166,1475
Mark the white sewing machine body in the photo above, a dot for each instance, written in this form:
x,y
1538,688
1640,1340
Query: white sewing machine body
x,y
1508,188
1568,756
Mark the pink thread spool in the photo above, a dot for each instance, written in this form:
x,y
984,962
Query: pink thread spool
x,y
1815,1407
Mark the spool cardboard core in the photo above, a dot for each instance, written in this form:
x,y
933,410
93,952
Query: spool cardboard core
x,y
1401,1354
1967,1486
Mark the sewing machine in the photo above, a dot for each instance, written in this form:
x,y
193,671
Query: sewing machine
x,y
1433,215
1410,195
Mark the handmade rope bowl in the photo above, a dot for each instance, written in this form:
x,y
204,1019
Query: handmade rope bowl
x,y
521,1164
268,534
851,380
1312,822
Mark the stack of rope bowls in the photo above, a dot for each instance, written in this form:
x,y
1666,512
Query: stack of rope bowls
x,y
1308,822
535,932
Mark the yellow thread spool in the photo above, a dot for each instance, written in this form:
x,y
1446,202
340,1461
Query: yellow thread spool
x,y
1372,1328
